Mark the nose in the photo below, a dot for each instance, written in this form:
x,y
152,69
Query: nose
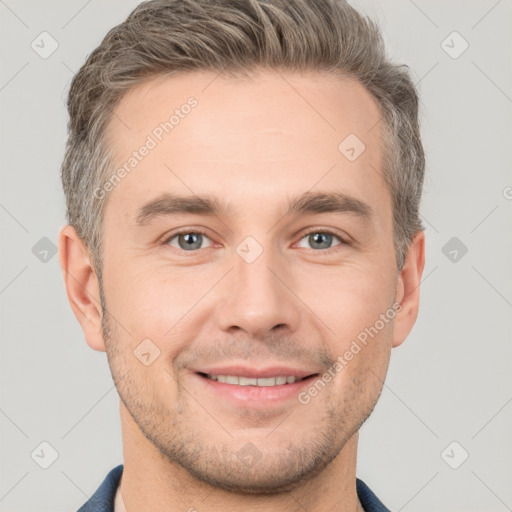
x,y
258,298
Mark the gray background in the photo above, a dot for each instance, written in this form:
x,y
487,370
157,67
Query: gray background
x,y
450,381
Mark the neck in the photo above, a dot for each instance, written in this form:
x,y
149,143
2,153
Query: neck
x,y
152,483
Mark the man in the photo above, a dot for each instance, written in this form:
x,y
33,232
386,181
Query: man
x,y
243,181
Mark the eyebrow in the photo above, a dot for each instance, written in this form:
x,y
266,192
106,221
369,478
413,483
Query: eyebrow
x,y
308,202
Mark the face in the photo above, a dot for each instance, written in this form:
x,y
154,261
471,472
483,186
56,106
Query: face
x,y
245,242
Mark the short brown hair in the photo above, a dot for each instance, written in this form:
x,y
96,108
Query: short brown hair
x,y
162,37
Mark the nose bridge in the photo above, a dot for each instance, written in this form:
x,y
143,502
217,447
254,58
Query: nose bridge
x,y
255,298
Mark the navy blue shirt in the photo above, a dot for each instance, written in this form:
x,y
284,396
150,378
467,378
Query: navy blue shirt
x,y
103,499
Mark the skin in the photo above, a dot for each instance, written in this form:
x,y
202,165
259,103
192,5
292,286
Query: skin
x,y
255,143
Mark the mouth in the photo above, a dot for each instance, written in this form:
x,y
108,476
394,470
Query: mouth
x,y
280,380
254,392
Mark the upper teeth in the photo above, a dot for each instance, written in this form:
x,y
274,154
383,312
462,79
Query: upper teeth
x,y
252,381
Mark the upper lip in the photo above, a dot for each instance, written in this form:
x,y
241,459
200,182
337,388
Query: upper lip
x,y
252,372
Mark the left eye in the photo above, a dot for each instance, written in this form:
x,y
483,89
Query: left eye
x,y
321,239
188,240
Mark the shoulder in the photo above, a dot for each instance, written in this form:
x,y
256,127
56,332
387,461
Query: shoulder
x,y
103,499
368,499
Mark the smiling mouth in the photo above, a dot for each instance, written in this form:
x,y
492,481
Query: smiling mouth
x,y
236,380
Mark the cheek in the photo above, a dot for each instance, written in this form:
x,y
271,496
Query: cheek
x,y
161,305
357,307
350,299
155,308
362,359
142,303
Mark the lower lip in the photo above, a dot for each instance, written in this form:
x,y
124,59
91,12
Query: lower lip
x,y
256,395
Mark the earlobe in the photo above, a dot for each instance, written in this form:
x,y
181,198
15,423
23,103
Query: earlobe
x,y
82,286
408,289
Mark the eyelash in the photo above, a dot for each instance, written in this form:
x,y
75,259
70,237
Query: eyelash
x,y
314,230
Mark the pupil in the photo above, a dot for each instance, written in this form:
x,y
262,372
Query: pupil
x,y
192,241
318,237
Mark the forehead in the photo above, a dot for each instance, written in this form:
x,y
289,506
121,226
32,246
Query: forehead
x,y
246,138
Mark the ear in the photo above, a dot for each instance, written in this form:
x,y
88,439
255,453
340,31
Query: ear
x,y
82,286
408,289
